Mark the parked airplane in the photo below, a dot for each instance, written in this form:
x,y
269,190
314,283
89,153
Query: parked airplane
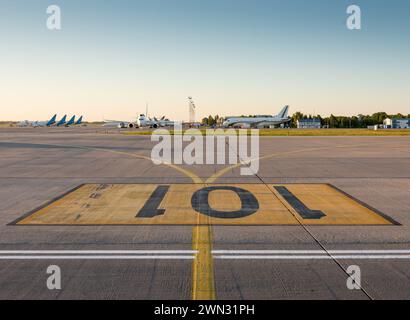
x,y
73,122
70,122
144,121
79,121
119,124
62,121
259,121
141,122
27,123
165,122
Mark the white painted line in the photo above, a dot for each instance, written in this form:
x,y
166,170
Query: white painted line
x,y
118,252
321,257
100,257
267,252
226,252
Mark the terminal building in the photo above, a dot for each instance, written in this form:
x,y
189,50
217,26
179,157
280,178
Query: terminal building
x,y
309,124
396,123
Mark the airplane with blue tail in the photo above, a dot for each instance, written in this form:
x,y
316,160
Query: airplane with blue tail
x,y
71,121
62,122
52,122
79,121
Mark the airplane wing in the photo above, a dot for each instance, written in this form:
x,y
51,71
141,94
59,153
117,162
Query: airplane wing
x,y
256,123
119,124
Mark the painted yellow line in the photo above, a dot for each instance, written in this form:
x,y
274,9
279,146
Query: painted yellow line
x,y
203,280
203,276
186,172
223,171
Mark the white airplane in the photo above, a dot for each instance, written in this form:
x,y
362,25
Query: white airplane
x,y
48,123
144,121
141,122
258,121
119,124
165,122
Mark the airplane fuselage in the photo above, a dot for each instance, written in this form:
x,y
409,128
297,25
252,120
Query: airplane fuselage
x,y
259,121
255,122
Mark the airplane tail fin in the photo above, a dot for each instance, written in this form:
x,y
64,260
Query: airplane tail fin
x,y
71,121
284,112
52,120
80,120
62,121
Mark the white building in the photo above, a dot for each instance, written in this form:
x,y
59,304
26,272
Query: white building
x,y
396,123
308,124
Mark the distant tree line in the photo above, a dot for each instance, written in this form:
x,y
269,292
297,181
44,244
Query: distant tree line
x,y
359,121
212,121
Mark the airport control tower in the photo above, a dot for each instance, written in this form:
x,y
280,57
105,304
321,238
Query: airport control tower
x,y
192,108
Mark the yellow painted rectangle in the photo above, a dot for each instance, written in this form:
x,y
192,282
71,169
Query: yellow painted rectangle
x,y
340,209
119,204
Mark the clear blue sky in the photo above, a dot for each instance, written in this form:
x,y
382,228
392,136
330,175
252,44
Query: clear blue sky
x,y
232,56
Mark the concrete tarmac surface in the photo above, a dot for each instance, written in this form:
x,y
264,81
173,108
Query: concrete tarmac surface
x,y
55,181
